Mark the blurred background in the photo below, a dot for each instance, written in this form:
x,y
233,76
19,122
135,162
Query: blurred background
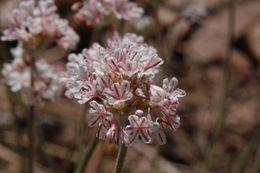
x,y
211,46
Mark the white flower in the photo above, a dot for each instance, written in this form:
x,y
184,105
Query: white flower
x,y
94,11
116,134
172,121
119,93
138,129
124,9
166,98
195,13
157,133
17,75
79,80
99,115
30,22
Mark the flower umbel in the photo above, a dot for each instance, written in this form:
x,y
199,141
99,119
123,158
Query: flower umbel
x,y
39,24
17,75
117,82
94,11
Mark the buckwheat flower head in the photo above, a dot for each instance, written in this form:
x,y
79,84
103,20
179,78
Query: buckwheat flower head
x,y
17,75
39,24
195,13
117,82
94,11
124,9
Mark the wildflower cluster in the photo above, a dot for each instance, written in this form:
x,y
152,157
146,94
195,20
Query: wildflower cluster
x,y
195,13
39,24
117,82
93,11
17,75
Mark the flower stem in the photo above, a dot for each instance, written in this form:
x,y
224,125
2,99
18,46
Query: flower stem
x,y
85,159
31,117
120,159
82,132
31,138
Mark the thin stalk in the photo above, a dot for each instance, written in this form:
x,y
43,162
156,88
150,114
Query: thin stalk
x,y
120,159
257,163
31,139
227,71
85,159
253,147
247,155
82,132
102,160
31,132
220,110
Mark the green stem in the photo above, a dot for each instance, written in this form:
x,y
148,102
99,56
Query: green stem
x,y
257,163
31,132
28,57
120,159
31,138
102,160
85,159
82,132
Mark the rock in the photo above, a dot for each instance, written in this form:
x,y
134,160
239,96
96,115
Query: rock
x,y
241,68
211,4
242,114
174,3
210,43
177,32
166,16
253,40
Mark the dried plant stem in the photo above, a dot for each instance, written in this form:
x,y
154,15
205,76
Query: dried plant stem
x,y
85,159
257,163
248,153
221,105
120,159
227,71
253,146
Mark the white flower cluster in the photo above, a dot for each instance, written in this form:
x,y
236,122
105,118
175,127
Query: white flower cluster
x,y
93,11
117,82
195,13
17,75
34,23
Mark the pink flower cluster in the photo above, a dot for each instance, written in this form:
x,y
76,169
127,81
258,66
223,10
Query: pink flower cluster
x,y
17,75
38,24
93,11
117,82
195,13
